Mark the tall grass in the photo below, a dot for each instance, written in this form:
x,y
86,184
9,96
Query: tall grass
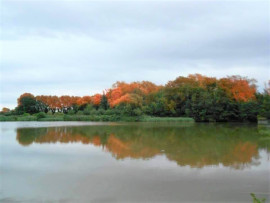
x,y
8,118
158,119
76,117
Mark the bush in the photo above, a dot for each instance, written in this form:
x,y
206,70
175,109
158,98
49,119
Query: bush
x,y
9,113
137,112
71,112
257,200
8,118
40,115
86,112
88,109
101,112
26,118
59,114
109,112
93,112
79,113
49,113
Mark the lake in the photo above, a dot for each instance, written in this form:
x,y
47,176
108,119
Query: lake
x,y
133,162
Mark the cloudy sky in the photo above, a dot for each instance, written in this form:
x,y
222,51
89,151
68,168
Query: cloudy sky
x,y
83,47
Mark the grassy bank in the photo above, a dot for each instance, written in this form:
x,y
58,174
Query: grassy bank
x,y
158,119
93,118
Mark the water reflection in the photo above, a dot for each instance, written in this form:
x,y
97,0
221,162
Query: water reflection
x,y
195,145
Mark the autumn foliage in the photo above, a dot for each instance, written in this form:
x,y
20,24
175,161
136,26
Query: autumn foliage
x,y
236,87
200,97
5,110
132,93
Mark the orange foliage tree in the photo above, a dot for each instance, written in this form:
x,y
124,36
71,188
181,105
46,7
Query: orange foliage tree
x,y
5,110
198,96
238,88
132,93
96,99
84,100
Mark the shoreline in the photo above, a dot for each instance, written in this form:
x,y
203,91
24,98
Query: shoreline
x,y
96,118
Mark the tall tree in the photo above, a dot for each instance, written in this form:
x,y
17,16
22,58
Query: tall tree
x,y
27,104
104,104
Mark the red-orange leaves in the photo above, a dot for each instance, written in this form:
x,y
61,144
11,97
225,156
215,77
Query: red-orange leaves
x,y
240,89
132,93
122,99
5,110
84,100
96,99
236,87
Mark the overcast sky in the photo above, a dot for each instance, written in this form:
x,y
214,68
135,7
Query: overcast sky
x,y
83,47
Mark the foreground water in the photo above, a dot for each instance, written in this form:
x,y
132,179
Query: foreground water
x,y
132,162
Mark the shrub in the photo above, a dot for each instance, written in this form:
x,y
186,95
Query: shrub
x,y
26,118
257,200
88,109
79,113
40,115
137,112
101,112
93,112
8,118
71,112
49,113
59,114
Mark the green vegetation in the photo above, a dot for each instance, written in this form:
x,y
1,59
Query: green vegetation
x,y
18,118
256,200
158,119
78,117
196,97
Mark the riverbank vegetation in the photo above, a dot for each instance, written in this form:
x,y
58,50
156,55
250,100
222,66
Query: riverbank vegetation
x,y
105,117
199,97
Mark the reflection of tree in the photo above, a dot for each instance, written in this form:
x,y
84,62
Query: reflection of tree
x,y
122,149
197,146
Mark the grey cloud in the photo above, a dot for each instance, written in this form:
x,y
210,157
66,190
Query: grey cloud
x,y
55,47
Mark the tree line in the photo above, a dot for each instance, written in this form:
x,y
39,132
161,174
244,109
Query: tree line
x,y
233,98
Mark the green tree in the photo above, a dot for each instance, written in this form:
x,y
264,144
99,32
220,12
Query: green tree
x,y
28,104
104,104
88,109
263,101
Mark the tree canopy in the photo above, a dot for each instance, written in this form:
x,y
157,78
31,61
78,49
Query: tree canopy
x,y
200,97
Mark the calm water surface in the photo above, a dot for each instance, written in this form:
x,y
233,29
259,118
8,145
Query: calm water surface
x,y
132,162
